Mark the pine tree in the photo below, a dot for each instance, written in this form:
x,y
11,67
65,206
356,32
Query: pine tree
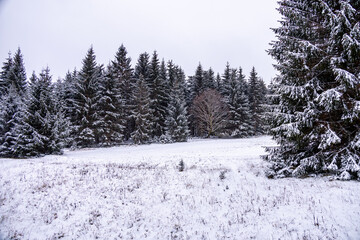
x,y
87,86
142,113
122,73
257,92
17,74
176,121
318,121
5,76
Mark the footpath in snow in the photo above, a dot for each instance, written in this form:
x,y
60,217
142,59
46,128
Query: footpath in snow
x,y
137,192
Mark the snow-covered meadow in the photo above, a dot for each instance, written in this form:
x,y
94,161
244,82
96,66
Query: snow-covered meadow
x,y
138,192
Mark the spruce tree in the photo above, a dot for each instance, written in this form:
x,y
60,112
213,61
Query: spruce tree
x,y
39,133
65,93
5,76
172,73
224,88
122,73
142,113
159,96
318,121
63,128
69,95
142,67
199,81
176,121
17,74
238,103
11,116
86,100
110,124
218,82
272,107
209,79
256,93
194,88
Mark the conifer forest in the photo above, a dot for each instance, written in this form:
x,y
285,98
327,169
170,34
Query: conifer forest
x,y
101,106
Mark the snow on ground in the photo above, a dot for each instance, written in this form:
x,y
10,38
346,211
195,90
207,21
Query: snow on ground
x,y
137,192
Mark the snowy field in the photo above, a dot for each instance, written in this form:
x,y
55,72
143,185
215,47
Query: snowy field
x,y
137,192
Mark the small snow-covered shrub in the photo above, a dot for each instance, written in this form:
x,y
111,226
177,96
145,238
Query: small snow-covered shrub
x,y
345,176
222,175
181,166
165,139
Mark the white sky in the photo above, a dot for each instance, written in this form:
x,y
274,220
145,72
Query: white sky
x,y
58,33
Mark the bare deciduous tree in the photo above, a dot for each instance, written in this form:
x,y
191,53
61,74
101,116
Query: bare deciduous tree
x,y
210,112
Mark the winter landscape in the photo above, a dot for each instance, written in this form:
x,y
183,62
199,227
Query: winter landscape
x,y
138,148
139,192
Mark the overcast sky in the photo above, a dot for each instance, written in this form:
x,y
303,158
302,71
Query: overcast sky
x,y
58,33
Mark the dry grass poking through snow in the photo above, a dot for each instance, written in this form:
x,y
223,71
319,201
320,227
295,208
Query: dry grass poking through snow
x,y
137,192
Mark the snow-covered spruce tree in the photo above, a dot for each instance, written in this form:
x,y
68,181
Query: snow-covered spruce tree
x,y
122,72
142,67
86,86
272,106
195,86
176,121
5,76
209,79
225,81
256,93
234,91
62,127
159,95
66,93
11,117
218,82
198,85
142,113
17,74
238,103
39,133
110,124
172,73
318,55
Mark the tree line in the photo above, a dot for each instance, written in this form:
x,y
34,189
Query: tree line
x,y
115,104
